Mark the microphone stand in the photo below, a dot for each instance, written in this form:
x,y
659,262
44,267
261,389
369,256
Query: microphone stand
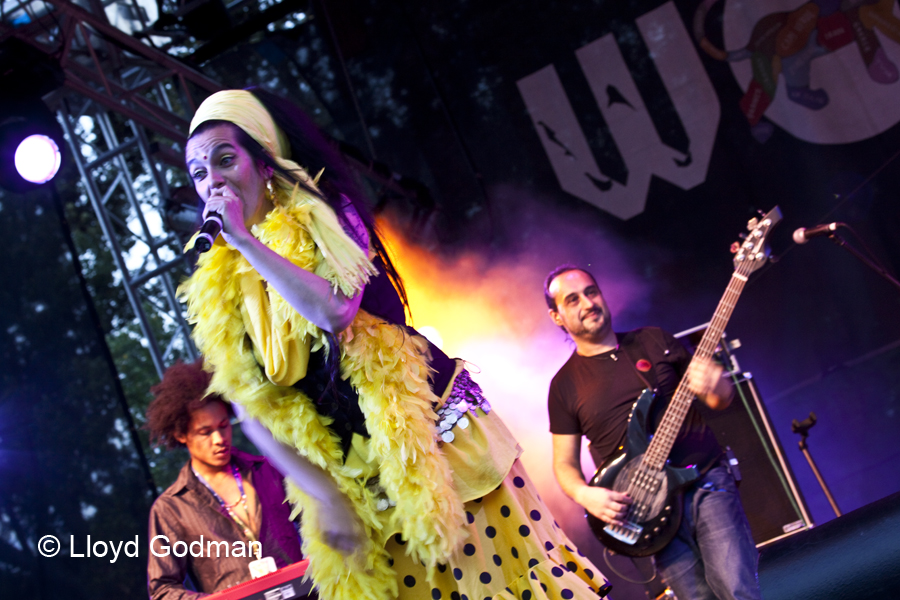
x,y
803,428
834,237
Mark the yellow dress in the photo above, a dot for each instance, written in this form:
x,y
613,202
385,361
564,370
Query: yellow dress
x,y
450,520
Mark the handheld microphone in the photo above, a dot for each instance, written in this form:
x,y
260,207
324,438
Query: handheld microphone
x,y
802,235
209,231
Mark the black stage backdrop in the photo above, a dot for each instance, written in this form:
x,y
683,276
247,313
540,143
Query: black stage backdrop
x,y
614,134
441,87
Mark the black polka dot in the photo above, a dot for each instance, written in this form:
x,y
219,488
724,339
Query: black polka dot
x,y
436,594
526,595
535,515
399,539
442,568
555,524
409,581
457,574
589,573
524,531
504,510
572,566
485,578
514,552
567,594
490,532
567,548
454,595
580,553
544,587
390,562
478,500
497,560
518,482
534,575
531,564
470,517
548,546
464,597
468,549
557,572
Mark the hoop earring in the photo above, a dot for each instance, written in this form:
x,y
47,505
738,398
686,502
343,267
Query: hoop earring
x,y
270,190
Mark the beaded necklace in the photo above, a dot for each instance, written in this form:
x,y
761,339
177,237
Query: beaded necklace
x,y
240,483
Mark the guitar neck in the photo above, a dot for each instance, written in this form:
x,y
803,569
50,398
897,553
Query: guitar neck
x,y
667,431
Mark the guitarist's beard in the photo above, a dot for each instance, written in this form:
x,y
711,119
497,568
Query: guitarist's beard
x,y
595,324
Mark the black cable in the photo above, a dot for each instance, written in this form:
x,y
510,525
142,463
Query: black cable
x,y
445,109
607,553
101,336
340,56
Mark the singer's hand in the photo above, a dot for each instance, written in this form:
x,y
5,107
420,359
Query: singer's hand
x,y
227,204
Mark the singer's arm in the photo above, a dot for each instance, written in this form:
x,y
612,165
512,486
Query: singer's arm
x,y
341,527
310,295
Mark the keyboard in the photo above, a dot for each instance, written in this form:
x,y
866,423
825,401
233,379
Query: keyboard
x,y
283,584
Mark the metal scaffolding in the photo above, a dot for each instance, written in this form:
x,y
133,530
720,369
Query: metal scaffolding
x,y
125,109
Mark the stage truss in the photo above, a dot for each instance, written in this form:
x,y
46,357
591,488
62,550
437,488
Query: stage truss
x,y
125,108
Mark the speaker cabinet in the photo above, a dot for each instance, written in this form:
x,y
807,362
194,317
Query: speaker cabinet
x,y
769,492
768,489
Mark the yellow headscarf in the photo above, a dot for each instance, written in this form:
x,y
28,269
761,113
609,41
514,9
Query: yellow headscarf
x,y
240,107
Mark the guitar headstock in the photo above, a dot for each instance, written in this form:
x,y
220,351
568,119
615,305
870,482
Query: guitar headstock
x,y
751,253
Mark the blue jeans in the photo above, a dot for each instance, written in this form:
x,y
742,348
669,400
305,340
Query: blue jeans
x,y
713,555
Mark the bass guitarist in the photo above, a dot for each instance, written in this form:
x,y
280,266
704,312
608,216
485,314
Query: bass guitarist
x,y
712,556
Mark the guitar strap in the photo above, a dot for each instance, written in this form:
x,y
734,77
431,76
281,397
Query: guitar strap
x,y
648,383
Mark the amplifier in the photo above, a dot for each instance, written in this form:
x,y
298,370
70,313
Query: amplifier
x,y
283,584
769,492
768,489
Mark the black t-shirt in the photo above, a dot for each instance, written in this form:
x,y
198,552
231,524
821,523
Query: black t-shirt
x,y
594,395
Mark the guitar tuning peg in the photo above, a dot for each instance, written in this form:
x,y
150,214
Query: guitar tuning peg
x,y
752,223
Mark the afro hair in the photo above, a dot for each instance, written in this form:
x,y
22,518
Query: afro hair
x,y
183,390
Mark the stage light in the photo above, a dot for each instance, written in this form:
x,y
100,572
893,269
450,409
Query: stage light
x,y
38,158
27,74
30,145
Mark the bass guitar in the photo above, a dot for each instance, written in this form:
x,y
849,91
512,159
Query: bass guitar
x,y
640,466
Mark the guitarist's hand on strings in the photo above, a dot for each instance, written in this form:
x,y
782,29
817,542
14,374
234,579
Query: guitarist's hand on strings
x,y
704,378
605,504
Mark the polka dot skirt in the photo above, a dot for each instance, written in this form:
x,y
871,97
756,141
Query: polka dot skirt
x,y
515,551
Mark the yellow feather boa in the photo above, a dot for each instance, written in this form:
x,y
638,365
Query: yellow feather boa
x,y
387,367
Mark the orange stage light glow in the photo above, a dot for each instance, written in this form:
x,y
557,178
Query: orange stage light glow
x,y
492,314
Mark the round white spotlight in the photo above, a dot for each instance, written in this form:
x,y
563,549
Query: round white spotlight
x,y
37,159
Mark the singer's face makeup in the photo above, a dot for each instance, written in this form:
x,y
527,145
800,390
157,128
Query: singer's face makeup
x,y
215,161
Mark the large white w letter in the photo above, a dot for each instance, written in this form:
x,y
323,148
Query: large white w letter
x,y
626,115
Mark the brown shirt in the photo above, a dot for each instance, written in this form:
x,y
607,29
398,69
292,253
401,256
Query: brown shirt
x,y
187,512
